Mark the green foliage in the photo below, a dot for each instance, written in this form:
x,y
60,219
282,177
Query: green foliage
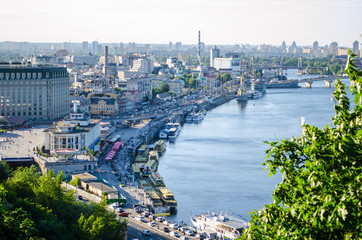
x,y
37,207
165,88
320,194
5,171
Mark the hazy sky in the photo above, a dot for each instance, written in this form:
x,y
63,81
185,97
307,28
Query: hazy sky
x,y
161,21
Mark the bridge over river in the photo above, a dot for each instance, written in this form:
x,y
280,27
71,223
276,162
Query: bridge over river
x,y
328,80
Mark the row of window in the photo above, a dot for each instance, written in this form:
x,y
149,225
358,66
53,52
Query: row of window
x,y
34,75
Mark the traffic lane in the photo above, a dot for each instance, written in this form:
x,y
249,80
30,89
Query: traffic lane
x,y
135,229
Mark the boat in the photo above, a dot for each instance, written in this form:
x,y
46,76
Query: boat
x,y
197,118
160,147
173,133
168,126
142,155
189,118
167,198
226,227
163,134
242,93
177,126
257,95
203,111
156,180
153,155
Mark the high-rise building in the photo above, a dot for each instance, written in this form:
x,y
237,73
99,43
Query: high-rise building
x,y
284,47
142,65
214,53
333,49
292,48
355,48
95,47
85,47
35,92
315,50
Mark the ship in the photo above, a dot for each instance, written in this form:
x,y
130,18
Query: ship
x,y
242,94
160,147
167,199
226,227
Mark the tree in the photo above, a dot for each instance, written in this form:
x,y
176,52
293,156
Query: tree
x,y
320,193
165,88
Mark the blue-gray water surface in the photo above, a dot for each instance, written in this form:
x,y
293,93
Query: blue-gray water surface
x,y
216,165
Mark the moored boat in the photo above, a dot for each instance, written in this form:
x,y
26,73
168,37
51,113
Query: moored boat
x,y
167,198
163,134
226,227
160,147
189,118
197,118
172,134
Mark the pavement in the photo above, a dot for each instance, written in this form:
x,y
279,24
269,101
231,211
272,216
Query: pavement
x,y
21,142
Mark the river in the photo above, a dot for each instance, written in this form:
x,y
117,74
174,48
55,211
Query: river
x,y
216,165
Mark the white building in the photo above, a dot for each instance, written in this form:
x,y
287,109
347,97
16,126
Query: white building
x,y
142,65
227,63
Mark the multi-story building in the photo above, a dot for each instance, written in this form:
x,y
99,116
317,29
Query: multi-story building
x,y
104,104
355,48
142,65
214,53
231,63
85,47
94,47
88,60
35,92
142,84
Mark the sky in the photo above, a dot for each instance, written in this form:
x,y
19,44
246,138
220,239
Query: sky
x,y
162,21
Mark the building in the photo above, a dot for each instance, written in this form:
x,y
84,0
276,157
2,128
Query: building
x,y
104,104
214,53
35,92
142,84
231,63
355,48
87,60
78,131
142,65
94,47
85,47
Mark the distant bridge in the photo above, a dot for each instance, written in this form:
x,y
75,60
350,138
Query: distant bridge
x,y
328,80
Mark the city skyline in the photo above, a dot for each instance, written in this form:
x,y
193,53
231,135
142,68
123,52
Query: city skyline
x,y
161,21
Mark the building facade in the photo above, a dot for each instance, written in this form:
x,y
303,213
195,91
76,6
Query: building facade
x,y
142,84
35,92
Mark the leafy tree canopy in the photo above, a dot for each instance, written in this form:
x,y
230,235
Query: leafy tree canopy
x,y
320,196
37,207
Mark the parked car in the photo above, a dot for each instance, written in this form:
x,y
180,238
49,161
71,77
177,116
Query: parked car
x,y
174,225
140,218
160,219
146,232
200,236
174,234
123,214
146,214
152,224
122,204
120,210
152,217
184,238
190,232
165,229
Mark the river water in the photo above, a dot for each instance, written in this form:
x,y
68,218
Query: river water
x,y
216,165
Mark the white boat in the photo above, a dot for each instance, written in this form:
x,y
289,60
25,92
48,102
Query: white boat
x,y
169,126
172,134
163,134
197,118
257,95
189,118
226,227
177,126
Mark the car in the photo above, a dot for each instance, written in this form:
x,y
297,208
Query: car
x,y
152,217
146,214
123,214
152,224
122,204
200,236
160,219
139,210
140,218
115,205
184,238
146,232
174,225
174,234
165,229
120,210
190,232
